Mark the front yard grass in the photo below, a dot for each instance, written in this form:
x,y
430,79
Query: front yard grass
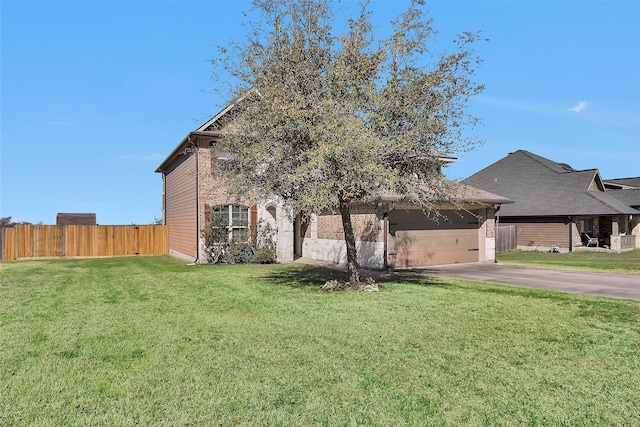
x,y
605,262
151,341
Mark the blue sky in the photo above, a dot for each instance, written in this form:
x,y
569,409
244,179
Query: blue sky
x,y
94,94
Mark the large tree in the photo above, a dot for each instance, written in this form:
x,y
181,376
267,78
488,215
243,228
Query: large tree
x,y
328,115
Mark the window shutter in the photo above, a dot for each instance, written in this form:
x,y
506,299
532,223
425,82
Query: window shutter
x,y
253,224
207,217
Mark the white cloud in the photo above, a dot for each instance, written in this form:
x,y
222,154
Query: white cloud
x,y
581,106
150,157
154,156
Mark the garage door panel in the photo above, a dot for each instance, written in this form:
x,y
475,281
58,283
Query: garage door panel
x,y
414,243
446,240
432,257
405,220
432,247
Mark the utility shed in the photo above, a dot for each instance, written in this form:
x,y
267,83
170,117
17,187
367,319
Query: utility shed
x,y
76,219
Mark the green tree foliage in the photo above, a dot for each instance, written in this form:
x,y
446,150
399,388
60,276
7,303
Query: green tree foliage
x,y
325,117
6,221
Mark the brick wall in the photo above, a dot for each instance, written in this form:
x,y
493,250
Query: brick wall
x,y
212,191
366,225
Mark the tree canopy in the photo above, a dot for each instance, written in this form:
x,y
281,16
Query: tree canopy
x,y
328,114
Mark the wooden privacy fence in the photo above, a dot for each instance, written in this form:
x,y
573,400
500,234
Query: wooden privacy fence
x,y
627,242
45,241
506,239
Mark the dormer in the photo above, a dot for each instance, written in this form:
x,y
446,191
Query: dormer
x,y
596,183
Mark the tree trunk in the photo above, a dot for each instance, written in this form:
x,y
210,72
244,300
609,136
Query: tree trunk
x,y
350,240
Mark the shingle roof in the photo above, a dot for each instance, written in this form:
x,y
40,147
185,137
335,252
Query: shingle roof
x,y
631,182
629,197
542,187
461,192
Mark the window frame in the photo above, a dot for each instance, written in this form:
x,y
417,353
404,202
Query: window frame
x,y
235,218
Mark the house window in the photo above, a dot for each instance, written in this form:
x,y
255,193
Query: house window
x,y
233,217
588,225
221,160
224,160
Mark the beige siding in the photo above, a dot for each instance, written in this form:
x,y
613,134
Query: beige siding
x,y
180,210
543,234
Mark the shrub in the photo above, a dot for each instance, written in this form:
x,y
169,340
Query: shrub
x,y
218,249
216,240
238,253
264,256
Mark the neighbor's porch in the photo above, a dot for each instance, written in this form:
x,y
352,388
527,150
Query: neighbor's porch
x,y
618,232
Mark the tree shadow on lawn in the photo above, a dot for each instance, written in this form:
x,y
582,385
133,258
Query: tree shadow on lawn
x,y
308,276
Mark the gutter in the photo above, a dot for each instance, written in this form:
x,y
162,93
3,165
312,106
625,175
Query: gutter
x,y
184,145
385,217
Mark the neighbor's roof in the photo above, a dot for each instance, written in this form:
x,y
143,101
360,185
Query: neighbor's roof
x,y
542,187
629,197
624,182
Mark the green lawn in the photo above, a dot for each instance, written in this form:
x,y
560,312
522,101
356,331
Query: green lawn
x,y
151,341
607,262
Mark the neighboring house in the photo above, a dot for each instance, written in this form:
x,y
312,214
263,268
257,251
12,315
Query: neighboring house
x,y
76,219
622,183
555,204
627,191
389,232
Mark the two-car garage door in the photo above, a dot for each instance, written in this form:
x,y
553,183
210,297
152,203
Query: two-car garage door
x,y
415,240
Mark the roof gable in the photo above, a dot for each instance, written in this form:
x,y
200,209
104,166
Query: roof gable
x,y
217,122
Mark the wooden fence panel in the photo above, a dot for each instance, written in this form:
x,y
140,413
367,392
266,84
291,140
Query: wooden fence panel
x,y
45,241
24,241
7,243
75,241
120,241
104,243
506,239
160,241
627,242
12,250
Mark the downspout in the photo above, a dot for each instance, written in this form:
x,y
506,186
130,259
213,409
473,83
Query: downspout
x,y
497,214
385,217
164,198
570,234
385,231
197,260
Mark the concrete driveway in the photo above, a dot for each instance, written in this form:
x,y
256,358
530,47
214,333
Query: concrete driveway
x,y
600,284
